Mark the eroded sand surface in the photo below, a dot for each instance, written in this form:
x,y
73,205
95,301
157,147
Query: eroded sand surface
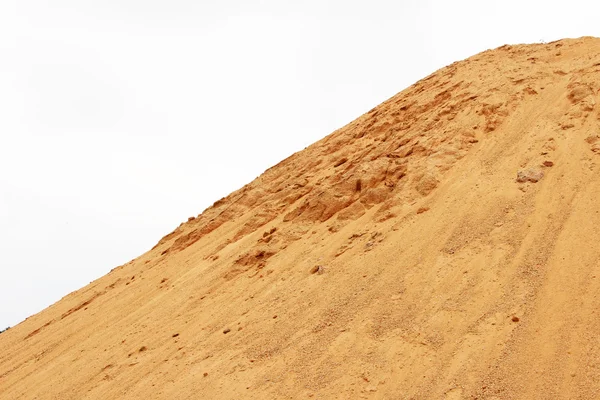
x,y
442,246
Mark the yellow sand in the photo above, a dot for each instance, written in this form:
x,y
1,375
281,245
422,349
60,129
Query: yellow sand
x,y
398,258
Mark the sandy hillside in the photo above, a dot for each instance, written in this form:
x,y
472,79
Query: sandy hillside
x,y
442,246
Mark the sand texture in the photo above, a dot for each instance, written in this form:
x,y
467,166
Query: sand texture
x,y
443,245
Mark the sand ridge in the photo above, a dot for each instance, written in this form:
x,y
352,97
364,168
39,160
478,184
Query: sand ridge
x,y
441,246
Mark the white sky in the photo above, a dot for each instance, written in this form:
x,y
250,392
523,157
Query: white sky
x,y
121,118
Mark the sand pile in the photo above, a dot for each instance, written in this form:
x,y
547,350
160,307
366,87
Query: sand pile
x,y
442,246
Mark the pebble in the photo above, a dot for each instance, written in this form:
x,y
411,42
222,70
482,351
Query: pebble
x,y
530,175
317,269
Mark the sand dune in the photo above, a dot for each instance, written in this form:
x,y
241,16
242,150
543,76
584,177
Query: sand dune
x,y
441,246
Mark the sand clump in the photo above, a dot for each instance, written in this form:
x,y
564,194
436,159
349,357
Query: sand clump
x,y
441,246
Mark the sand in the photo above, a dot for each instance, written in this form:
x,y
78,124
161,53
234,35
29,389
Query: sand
x,y
444,245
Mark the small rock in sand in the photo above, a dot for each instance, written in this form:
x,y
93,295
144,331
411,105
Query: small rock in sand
x,y
317,269
530,175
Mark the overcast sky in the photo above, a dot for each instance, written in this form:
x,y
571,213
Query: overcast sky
x,y
119,119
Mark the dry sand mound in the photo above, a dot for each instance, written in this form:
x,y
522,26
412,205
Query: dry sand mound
x,y
442,246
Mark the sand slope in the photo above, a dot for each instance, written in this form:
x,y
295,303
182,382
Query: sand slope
x,y
442,246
